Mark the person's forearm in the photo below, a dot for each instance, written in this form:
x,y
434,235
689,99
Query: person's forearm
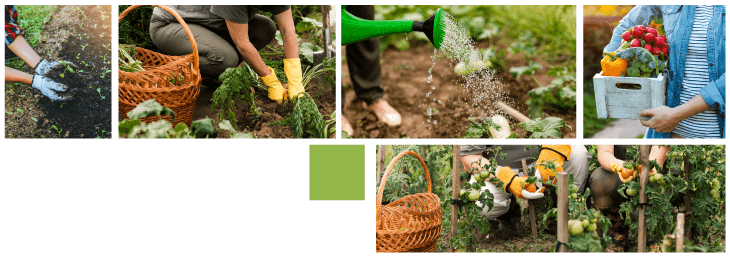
x,y
693,107
606,156
659,153
13,75
253,59
475,164
22,49
288,34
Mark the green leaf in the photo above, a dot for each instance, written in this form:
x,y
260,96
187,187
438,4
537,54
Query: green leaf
x,y
525,70
307,49
202,128
307,24
126,126
545,128
150,108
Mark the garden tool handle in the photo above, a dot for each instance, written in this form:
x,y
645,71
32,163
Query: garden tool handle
x,y
384,179
196,58
513,113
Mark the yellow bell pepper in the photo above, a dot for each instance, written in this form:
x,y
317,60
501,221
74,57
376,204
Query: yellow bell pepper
x,y
613,66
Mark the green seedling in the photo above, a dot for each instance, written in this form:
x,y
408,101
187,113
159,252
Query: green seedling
x,y
101,35
59,130
82,48
63,104
99,91
67,68
79,54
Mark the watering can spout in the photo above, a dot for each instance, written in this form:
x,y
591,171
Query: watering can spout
x,y
355,29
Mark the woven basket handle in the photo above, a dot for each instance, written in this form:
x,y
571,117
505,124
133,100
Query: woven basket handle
x,y
196,58
381,189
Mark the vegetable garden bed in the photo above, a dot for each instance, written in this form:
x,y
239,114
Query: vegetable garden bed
x,y
82,35
517,63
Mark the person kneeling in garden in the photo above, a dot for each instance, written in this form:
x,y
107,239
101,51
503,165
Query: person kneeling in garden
x,y
605,181
16,46
227,34
566,158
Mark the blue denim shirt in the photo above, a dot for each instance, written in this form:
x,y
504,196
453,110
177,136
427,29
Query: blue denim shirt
x,y
678,22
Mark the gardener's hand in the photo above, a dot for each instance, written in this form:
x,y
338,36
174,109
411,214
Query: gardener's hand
x,y
624,174
43,67
49,88
556,154
293,70
276,90
518,186
663,119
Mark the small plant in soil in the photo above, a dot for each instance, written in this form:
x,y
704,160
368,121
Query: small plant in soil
x,y
59,130
67,68
98,90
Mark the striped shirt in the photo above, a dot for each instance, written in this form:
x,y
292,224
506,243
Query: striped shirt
x,y
696,77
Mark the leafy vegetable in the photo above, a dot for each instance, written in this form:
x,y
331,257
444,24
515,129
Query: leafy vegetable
x,y
127,62
545,128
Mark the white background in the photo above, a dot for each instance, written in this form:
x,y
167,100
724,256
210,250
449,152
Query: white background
x,y
204,199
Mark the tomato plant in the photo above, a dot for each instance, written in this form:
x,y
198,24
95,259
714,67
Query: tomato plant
x,y
667,189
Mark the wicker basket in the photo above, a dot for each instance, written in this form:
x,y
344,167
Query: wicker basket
x,y
410,224
173,81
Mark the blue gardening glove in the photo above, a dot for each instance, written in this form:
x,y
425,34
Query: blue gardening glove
x,y
49,88
45,66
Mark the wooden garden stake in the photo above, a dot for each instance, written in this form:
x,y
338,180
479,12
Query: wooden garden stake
x,y
688,195
644,156
326,36
456,186
530,206
381,163
680,232
563,193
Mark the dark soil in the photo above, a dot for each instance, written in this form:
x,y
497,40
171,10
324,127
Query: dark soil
x,y
88,114
404,78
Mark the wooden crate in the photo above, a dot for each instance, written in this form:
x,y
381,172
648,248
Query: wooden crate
x,y
613,102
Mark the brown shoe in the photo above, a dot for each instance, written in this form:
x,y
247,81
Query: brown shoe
x,y
385,112
346,126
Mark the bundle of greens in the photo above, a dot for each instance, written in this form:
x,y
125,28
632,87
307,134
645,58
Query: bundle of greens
x,y
642,63
127,62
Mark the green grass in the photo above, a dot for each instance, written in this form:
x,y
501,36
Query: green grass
x,y
591,122
552,25
32,18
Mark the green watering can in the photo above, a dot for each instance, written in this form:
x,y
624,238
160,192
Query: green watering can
x,y
355,29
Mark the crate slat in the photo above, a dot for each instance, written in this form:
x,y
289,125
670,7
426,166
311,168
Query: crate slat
x,y
613,102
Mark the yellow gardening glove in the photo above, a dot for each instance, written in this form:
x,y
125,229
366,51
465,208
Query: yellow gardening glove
x,y
276,90
293,70
518,185
546,155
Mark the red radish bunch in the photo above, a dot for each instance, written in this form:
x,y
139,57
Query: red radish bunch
x,y
647,38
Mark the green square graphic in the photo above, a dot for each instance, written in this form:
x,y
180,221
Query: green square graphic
x,y
336,172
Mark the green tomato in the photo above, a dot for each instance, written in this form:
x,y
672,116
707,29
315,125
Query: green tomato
x,y
674,154
573,188
716,183
474,195
575,227
484,175
713,193
585,222
478,178
594,220
652,178
631,192
592,227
